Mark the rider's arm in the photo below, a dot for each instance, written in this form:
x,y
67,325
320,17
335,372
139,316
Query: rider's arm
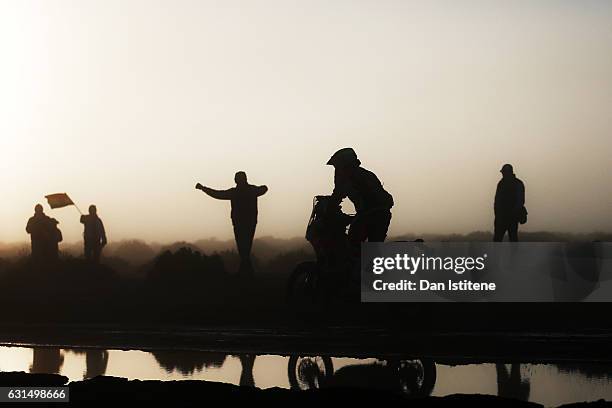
x,y
340,189
336,197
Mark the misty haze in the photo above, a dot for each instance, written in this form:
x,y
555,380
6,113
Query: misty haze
x,y
212,191
433,99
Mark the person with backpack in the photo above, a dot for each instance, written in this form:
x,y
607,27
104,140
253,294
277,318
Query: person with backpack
x,y
509,205
45,236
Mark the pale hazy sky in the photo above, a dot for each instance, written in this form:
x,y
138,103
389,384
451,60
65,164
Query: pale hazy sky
x,y
126,104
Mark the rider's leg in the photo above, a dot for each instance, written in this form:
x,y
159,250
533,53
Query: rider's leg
x,y
357,233
378,225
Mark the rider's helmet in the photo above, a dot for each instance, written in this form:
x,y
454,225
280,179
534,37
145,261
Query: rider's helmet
x,y
344,157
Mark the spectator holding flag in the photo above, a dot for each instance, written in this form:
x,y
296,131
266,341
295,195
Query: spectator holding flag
x,y
94,235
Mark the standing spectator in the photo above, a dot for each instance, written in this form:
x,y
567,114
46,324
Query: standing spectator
x,y
509,205
44,236
243,199
94,235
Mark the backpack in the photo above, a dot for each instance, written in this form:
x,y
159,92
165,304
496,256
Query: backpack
x,y
522,218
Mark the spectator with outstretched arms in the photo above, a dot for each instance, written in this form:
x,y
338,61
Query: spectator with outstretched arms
x,y
243,200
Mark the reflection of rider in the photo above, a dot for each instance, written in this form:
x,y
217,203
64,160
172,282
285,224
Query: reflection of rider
x,y
372,202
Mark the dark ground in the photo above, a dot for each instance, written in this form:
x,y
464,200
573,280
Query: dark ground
x,y
202,293
196,305
113,390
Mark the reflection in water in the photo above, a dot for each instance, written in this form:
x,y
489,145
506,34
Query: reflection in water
x,y
188,362
96,361
246,374
510,385
589,370
306,373
548,384
46,360
411,377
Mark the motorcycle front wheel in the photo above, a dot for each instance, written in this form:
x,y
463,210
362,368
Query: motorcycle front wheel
x,y
302,284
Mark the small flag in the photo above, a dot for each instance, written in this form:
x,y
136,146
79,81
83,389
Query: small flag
x,y
59,200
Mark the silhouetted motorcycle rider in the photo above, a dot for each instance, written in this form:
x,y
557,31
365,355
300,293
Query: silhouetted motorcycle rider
x,y
372,202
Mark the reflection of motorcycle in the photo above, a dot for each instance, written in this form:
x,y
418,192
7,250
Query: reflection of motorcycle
x,y
329,274
306,373
411,377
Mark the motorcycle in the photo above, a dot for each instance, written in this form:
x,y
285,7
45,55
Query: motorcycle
x,y
411,377
329,276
